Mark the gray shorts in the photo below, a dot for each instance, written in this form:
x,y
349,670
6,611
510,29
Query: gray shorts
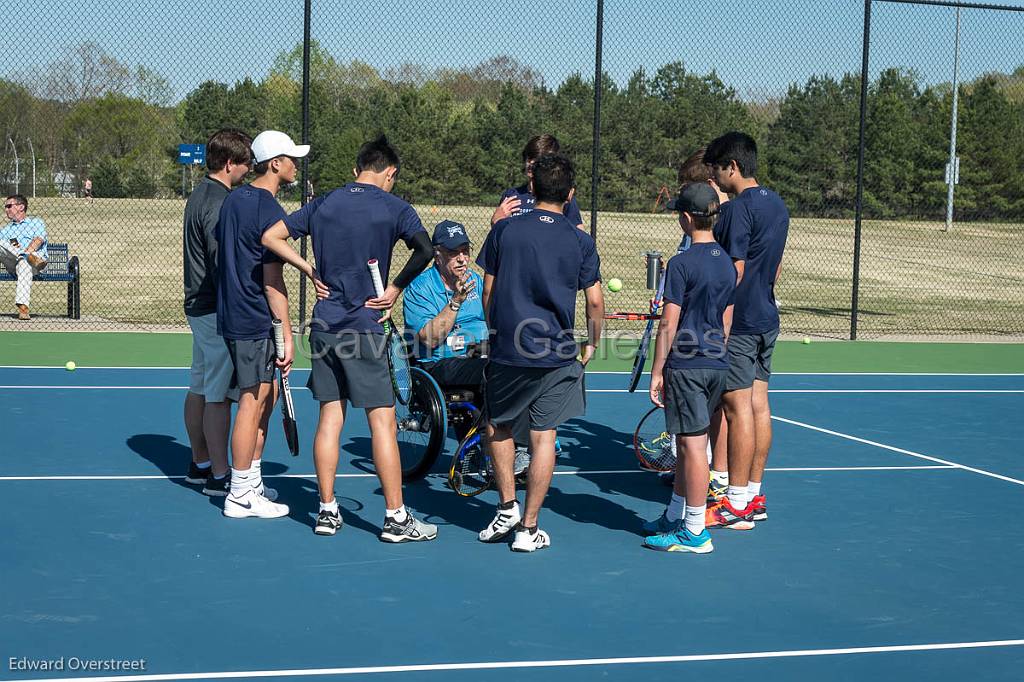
x,y
552,395
750,358
691,397
350,366
212,370
253,360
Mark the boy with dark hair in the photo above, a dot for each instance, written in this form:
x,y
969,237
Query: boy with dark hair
x,y
753,228
690,366
207,410
350,226
534,265
251,294
519,200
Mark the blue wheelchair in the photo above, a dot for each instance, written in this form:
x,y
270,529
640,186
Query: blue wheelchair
x,y
423,426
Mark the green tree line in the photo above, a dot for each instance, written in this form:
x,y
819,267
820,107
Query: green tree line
x,y
460,131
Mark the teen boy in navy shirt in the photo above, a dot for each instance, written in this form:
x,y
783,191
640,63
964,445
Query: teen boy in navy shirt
x,y
534,264
753,228
350,226
250,294
690,366
519,200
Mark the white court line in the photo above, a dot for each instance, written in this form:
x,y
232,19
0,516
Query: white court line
x,y
899,450
564,663
573,472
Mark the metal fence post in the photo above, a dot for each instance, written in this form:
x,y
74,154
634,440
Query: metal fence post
x,y
594,183
860,169
307,11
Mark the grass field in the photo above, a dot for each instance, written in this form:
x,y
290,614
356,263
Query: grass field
x,y
915,278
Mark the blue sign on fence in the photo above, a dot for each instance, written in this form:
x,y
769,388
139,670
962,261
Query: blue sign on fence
x,y
192,154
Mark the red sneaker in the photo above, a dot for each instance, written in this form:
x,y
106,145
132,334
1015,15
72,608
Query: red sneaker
x,y
723,515
760,508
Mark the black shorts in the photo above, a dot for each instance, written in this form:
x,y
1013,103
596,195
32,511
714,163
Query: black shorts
x,y
750,358
551,395
691,397
350,366
253,360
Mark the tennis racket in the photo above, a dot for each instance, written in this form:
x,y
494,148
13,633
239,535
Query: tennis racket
x,y
398,359
645,341
655,448
471,471
633,317
291,429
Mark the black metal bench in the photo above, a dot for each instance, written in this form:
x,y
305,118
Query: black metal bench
x,y
60,268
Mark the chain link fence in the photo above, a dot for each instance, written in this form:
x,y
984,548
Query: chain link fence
x,y
460,90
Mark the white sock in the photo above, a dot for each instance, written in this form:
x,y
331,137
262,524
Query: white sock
x,y
257,474
674,510
241,481
399,515
738,497
753,489
720,477
331,506
203,466
695,519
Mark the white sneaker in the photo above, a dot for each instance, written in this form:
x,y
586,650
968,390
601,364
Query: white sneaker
x,y
253,504
525,541
503,523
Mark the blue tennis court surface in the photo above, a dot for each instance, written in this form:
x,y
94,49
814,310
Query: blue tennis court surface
x,y
894,548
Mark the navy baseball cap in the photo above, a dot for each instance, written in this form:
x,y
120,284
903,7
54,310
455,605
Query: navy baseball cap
x,y
695,198
450,235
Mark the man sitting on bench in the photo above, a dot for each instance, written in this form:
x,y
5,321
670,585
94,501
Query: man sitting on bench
x,y
22,249
444,311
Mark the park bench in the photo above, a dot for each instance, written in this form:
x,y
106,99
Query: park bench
x,y
59,268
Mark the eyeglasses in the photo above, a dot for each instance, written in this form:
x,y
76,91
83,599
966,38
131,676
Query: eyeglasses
x,y
11,205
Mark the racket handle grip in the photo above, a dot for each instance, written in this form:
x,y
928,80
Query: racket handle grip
x,y
279,339
378,284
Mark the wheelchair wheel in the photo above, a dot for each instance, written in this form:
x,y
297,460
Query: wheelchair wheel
x,y
422,426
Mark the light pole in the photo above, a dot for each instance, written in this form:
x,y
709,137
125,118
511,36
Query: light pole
x,y
17,164
953,166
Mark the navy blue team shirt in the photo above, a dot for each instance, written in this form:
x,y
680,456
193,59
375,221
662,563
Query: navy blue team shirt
x,y
700,280
753,228
242,308
539,261
350,226
527,202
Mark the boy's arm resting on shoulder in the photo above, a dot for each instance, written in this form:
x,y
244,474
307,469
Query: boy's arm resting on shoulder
x,y
276,292
595,319
275,239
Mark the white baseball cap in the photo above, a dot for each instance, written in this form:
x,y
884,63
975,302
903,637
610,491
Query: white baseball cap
x,y
273,143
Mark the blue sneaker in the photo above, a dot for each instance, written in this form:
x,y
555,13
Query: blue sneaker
x,y
659,525
681,540
558,446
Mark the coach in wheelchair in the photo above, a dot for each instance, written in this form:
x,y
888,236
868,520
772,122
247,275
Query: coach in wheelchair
x,y
444,316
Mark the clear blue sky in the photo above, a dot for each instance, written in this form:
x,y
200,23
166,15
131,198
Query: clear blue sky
x,y
757,46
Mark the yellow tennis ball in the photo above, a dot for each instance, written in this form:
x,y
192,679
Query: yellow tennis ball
x,y
615,284
807,340
70,366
